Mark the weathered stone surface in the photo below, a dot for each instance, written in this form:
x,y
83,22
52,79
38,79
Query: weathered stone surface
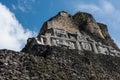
x,y
56,63
79,41
60,22
74,31
106,35
86,22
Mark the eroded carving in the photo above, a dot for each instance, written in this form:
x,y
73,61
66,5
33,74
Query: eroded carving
x,y
60,37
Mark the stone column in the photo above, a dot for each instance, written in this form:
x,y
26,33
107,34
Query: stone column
x,y
42,41
94,47
54,32
78,45
48,40
66,35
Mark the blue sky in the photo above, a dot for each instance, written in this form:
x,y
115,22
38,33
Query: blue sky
x,y
27,16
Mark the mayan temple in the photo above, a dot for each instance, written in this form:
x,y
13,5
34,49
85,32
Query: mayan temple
x,y
68,47
79,31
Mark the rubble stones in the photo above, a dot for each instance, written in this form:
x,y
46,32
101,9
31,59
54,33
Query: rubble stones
x,y
55,63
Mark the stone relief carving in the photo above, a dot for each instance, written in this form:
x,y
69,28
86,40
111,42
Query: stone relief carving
x,y
76,41
86,46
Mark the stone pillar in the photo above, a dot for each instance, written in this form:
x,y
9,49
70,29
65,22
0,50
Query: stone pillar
x,y
78,45
42,41
66,35
94,47
86,46
48,40
54,32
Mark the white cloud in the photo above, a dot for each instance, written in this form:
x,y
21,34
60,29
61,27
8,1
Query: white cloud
x,y
25,5
12,35
105,12
23,9
90,6
13,6
104,7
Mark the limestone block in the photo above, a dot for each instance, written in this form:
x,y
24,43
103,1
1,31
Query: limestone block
x,y
72,45
79,34
118,54
59,41
82,38
42,40
78,45
86,46
62,42
112,54
38,42
60,33
48,40
65,14
53,42
65,43
112,50
94,47
72,37
103,50
45,41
